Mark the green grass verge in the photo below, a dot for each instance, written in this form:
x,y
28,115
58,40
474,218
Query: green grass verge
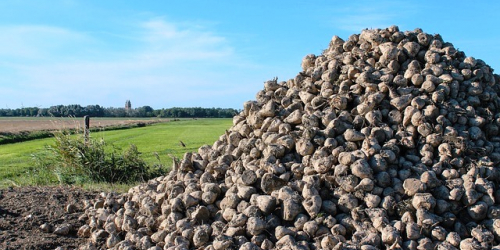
x,y
6,138
16,161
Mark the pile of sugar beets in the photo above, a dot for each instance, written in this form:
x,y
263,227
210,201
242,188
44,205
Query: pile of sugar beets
x,y
387,140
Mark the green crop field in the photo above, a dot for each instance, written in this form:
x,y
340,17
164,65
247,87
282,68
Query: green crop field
x,y
161,138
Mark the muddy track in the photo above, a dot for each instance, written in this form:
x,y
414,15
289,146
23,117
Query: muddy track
x,y
24,210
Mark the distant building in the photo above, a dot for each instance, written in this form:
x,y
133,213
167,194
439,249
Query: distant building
x,y
128,105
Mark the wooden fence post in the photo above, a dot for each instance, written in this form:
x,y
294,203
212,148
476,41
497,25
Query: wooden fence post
x,y
86,130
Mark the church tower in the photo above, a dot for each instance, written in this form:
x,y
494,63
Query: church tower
x,y
128,105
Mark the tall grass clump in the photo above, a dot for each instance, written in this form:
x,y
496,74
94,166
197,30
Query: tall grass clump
x,y
73,160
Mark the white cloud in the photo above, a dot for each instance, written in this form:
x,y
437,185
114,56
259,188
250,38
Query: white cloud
x,y
161,64
166,42
35,42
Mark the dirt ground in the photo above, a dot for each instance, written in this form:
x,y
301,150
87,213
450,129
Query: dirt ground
x,y
24,210
17,125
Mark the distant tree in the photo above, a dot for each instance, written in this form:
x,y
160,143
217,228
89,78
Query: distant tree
x,y
43,112
94,111
196,112
98,111
115,112
56,111
144,111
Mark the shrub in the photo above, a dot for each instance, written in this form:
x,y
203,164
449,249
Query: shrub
x,y
73,160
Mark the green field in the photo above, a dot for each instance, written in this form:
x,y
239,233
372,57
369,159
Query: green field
x,y
161,138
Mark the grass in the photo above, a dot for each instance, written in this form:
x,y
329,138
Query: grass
x,y
16,158
162,138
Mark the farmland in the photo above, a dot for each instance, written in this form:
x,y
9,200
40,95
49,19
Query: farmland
x,y
162,139
30,124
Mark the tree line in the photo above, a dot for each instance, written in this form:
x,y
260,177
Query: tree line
x,y
75,110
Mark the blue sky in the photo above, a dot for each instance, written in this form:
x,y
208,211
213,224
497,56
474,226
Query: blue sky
x,y
199,53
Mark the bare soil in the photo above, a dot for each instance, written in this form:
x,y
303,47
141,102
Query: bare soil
x,y
18,125
24,210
